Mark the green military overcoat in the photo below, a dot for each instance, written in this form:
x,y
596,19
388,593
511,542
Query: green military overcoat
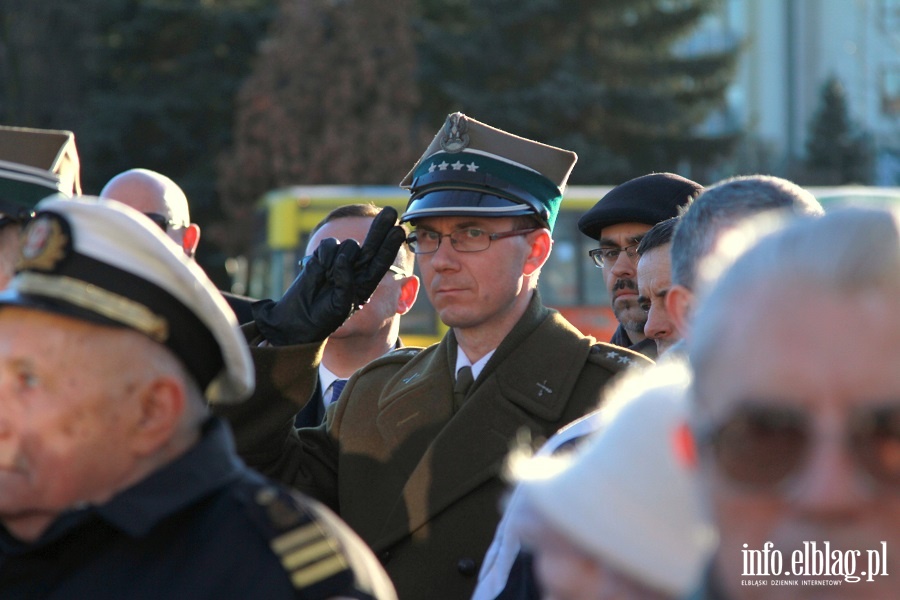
x,y
421,485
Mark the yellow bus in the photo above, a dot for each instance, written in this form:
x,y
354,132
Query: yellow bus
x,y
569,281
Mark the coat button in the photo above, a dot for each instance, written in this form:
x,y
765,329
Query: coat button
x,y
384,557
467,567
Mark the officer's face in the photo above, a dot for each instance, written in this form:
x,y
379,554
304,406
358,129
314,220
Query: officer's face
x,y
64,417
390,299
485,288
803,392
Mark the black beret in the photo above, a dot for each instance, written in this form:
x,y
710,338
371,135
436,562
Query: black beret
x,y
647,199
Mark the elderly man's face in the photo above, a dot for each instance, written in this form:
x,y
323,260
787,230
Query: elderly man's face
x,y
64,421
804,394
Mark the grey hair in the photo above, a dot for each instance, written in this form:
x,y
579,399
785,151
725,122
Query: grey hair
x,y
723,206
844,252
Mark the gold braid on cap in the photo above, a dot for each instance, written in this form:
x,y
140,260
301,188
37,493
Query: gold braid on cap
x,y
95,299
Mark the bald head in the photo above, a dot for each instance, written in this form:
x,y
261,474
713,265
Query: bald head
x,y
153,193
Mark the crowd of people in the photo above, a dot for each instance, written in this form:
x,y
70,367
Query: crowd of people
x,y
737,438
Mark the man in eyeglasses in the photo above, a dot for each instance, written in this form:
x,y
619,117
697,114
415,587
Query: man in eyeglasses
x,y
162,201
618,222
412,453
796,404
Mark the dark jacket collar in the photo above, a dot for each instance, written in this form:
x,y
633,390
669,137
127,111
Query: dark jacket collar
x,y
206,467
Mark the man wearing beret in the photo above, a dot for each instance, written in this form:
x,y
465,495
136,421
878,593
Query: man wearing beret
x,y
114,480
411,455
618,222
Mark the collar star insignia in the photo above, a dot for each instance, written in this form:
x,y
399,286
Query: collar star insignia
x,y
612,354
624,359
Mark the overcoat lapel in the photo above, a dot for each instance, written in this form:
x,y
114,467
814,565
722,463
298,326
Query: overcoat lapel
x,y
521,387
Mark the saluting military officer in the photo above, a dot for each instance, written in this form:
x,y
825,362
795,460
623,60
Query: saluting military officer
x,y
410,456
114,480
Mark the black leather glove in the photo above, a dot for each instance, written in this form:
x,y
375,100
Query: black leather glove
x,y
337,280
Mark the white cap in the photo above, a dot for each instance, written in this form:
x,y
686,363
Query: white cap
x,y
104,262
624,497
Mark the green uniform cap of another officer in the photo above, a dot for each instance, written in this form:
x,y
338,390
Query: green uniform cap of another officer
x,y
473,169
34,164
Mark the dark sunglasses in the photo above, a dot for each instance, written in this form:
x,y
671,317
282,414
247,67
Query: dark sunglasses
x,y
161,220
762,446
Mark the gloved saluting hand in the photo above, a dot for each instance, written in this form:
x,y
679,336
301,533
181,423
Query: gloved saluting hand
x,y
338,279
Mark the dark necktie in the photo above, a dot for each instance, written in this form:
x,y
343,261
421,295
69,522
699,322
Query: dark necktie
x,y
336,387
461,387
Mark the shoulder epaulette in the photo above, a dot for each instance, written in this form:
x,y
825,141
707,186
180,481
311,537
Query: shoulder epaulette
x,y
304,545
405,351
616,358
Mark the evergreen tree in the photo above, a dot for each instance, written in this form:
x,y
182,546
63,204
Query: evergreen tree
x,y
330,101
44,74
604,78
837,151
163,97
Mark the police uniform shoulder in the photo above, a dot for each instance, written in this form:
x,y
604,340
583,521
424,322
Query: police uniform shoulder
x,y
616,358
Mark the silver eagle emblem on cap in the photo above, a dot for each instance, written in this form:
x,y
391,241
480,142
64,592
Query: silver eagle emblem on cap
x,y
455,137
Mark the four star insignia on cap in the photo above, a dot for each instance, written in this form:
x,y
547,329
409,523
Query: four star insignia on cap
x,y
457,166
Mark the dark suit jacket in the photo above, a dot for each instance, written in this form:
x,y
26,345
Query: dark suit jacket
x,y
421,484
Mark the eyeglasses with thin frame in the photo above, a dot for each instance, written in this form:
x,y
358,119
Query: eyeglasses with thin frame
x,y
606,257
393,268
762,446
468,239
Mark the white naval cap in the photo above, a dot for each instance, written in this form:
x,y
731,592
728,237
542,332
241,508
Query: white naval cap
x,y
104,262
